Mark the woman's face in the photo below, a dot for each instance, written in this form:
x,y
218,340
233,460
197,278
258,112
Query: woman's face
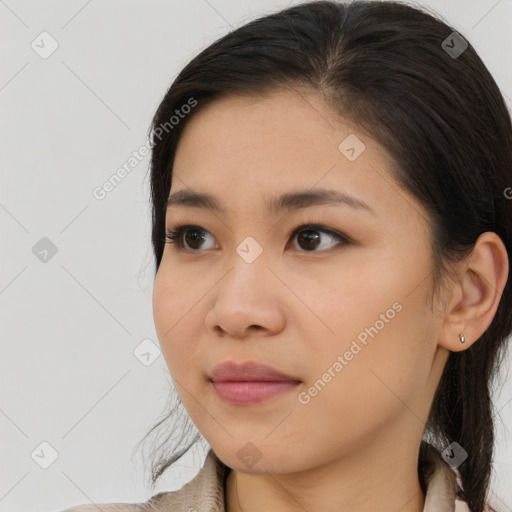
x,y
348,318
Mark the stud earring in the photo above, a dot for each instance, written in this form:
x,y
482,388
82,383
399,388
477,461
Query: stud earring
x,y
462,338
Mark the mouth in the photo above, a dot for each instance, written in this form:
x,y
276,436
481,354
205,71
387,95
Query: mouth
x,y
249,371
250,383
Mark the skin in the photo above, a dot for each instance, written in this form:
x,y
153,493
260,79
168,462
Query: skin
x,y
297,308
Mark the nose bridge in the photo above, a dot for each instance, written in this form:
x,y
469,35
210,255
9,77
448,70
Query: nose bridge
x,y
247,266
249,250
243,297
247,284
247,259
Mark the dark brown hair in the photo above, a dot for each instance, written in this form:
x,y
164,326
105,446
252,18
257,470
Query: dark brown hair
x,y
442,118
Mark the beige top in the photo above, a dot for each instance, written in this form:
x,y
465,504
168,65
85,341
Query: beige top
x,y
205,492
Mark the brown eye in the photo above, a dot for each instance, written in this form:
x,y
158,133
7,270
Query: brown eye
x,y
194,237
310,237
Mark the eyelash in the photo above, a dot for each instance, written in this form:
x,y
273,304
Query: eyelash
x,y
175,236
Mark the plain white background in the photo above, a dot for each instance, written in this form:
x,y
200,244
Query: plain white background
x,y
70,325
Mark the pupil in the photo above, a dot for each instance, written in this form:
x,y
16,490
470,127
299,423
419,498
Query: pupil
x,y
193,236
308,236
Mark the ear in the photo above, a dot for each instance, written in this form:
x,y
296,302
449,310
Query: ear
x,y
475,293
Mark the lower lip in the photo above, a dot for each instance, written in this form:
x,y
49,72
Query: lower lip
x,y
252,392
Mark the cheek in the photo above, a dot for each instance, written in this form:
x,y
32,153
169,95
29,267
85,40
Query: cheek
x,y
377,379
376,319
174,306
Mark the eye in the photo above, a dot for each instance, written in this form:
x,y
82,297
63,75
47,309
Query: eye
x,y
309,237
176,236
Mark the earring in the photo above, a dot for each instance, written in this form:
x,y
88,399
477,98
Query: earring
x,y
462,338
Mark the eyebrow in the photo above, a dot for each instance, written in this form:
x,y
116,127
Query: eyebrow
x,y
289,201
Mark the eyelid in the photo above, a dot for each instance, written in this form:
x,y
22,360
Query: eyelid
x,y
325,229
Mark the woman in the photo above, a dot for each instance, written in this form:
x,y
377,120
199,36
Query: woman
x,y
332,227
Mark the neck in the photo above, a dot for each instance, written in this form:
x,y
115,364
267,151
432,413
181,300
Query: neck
x,y
368,479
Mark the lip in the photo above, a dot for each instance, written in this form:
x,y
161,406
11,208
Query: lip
x,y
248,372
249,383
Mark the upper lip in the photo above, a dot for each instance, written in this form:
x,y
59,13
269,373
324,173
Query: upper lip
x,y
249,371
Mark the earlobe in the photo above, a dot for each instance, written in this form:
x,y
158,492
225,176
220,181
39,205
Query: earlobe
x,y
476,293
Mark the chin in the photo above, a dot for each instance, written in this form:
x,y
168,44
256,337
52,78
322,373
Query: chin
x,y
253,458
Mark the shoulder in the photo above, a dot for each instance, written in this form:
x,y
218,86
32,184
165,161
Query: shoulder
x,y
159,502
107,507
205,492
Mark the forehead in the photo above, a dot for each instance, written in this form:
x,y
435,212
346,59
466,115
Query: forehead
x,y
281,124
245,149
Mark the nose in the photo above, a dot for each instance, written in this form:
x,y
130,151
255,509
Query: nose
x,y
247,302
